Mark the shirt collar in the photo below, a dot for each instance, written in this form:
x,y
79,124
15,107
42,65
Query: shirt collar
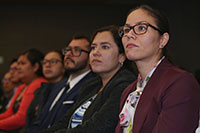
x,y
73,82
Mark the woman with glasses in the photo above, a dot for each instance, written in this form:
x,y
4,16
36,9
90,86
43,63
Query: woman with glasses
x,y
97,109
164,99
54,71
30,73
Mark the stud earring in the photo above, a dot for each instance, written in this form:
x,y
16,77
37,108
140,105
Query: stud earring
x,y
121,64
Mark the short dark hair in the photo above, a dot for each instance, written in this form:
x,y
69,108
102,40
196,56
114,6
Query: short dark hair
x,y
59,52
13,60
77,36
81,36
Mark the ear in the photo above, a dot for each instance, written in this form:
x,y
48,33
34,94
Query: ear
x,y
122,58
164,40
35,67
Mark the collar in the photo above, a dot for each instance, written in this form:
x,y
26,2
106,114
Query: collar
x,y
73,82
141,84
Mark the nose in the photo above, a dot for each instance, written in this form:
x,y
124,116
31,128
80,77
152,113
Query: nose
x,y
95,52
131,35
68,53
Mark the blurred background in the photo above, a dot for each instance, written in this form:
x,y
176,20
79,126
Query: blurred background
x,y
50,24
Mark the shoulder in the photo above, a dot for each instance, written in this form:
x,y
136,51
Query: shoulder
x,y
171,74
170,81
119,82
91,85
122,78
35,84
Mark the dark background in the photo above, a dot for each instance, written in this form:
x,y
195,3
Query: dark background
x,y
49,24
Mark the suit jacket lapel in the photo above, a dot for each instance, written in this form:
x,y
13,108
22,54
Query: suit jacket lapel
x,y
146,98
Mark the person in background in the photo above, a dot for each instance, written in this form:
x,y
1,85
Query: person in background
x,y
76,62
8,88
30,73
11,81
165,98
14,73
97,108
54,72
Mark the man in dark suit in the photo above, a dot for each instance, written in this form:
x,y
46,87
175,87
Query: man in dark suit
x,y
62,97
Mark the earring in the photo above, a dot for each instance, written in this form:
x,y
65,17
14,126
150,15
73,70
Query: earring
x,y
162,46
121,64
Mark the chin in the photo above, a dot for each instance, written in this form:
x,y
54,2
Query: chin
x,y
96,70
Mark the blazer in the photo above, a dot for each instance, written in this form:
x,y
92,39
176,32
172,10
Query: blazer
x,y
41,98
169,103
46,117
10,120
102,114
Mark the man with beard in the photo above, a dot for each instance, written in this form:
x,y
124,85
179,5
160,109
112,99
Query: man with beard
x,y
76,62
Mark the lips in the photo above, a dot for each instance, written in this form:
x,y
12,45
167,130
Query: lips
x,y
96,61
131,45
67,60
47,71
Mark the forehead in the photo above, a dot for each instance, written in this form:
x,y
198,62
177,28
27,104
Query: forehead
x,y
14,64
79,43
104,36
139,15
52,55
23,57
7,75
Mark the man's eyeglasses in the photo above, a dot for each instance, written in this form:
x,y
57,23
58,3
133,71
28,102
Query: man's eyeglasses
x,y
52,62
138,29
76,51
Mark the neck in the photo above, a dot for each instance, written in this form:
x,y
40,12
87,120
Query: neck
x,y
105,77
76,74
17,83
28,81
55,80
145,66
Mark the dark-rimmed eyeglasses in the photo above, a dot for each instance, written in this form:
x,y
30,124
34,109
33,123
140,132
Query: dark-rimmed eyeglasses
x,y
52,62
138,29
76,51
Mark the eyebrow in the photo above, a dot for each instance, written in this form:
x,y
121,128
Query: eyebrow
x,y
102,43
52,59
140,22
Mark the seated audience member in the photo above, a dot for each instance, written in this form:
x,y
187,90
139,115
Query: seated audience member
x,y
12,81
14,76
97,108
14,73
30,73
165,98
8,90
53,71
62,98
